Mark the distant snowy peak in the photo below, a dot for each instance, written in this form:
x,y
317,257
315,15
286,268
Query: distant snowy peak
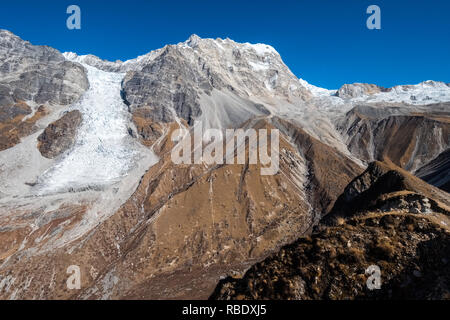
x,y
8,36
259,48
426,92
94,61
194,42
252,69
317,91
247,66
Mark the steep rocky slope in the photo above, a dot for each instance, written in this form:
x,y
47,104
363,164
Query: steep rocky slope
x,y
437,171
355,90
404,233
18,122
409,138
59,136
37,73
183,228
411,251
215,81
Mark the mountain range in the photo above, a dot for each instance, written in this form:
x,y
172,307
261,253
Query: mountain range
x,y
87,179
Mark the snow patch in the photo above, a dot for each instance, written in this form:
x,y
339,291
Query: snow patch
x,y
262,49
316,91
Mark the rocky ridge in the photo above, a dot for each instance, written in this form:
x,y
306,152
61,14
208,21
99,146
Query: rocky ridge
x,y
404,233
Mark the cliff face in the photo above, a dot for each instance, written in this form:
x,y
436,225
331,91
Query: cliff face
x,y
355,90
37,73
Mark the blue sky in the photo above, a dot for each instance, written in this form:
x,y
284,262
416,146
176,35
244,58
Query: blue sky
x,y
325,42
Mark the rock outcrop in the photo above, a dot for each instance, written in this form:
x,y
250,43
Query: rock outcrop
x,y
140,226
170,82
60,135
38,73
368,192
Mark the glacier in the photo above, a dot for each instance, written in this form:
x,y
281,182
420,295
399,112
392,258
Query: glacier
x,y
103,152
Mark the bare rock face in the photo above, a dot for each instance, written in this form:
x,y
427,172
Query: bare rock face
x,y
38,73
60,135
354,90
147,129
13,111
437,171
156,86
408,139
